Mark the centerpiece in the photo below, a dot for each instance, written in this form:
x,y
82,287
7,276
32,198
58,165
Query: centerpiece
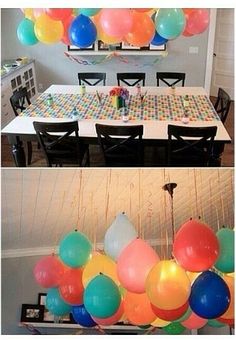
x,y
119,95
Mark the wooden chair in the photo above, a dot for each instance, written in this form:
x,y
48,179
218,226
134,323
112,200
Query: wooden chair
x,y
126,150
59,146
19,102
222,104
134,77
176,77
187,152
97,78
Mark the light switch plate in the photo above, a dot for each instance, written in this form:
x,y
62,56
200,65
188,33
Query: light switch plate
x,y
193,50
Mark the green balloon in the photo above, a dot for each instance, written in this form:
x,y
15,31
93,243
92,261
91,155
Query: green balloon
x,y
75,249
25,32
170,22
55,304
185,316
89,12
215,323
102,297
174,328
225,261
145,326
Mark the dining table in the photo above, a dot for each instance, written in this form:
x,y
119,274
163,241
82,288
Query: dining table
x,y
153,107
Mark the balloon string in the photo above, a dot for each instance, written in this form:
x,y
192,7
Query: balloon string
x,y
196,193
221,199
108,184
190,193
79,201
210,189
139,203
201,204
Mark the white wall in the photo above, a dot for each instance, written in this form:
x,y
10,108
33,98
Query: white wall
x,y
53,67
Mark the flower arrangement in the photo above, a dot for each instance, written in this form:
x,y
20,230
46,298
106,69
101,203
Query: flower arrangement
x,y
119,95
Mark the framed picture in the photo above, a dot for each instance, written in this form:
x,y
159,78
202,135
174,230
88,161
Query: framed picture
x,y
106,47
76,48
47,316
157,48
32,313
126,46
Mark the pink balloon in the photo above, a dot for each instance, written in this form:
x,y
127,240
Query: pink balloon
x,y
38,12
198,21
194,322
134,264
116,22
112,319
48,271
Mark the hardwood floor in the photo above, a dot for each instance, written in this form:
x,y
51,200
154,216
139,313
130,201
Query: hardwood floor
x,y
152,157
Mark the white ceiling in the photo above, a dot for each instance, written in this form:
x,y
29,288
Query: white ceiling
x,y
40,206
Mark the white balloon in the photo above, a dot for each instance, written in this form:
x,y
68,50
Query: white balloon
x,y
118,236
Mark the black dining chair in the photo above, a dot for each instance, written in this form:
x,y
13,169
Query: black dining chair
x,y
131,79
175,78
92,79
121,145
183,150
61,143
222,104
19,102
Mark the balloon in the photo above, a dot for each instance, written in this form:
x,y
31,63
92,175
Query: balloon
x,y
170,22
59,13
55,304
160,323
29,13
75,249
25,32
229,322
82,32
66,24
174,328
118,236
102,297
144,326
107,39
99,264
134,264
195,247
112,319
71,287
48,31
225,261
229,314
89,12
170,315
167,285
82,317
158,40
214,323
138,310
192,276
48,271
116,22
186,34
194,322
143,30
142,10
210,296
37,12
185,316
198,21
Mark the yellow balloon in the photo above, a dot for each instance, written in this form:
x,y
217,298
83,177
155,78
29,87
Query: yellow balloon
x,y
99,264
192,276
168,286
160,323
229,314
107,39
29,14
48,31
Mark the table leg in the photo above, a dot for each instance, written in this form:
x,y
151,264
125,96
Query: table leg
x,y
18,153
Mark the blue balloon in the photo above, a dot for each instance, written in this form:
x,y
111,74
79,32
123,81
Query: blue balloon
x,y
82,31
210,296
82,317
158,40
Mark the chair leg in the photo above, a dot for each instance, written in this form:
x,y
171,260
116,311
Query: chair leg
x,y
29,153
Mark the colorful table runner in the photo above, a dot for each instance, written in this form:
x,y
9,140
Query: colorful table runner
x,y
154,107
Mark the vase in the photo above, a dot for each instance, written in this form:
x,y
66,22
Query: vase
x,y
118,102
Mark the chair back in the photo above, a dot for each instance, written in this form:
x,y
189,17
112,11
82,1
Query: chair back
x,y
92,79
222,104
166,76
183,150
20,100
57,143
131,79
121,145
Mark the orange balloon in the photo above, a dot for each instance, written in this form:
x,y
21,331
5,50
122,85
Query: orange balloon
x,y
192,276
142,10
229,314
138,310
143,30
188,10
167,285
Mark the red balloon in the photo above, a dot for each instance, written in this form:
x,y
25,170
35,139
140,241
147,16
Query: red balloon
x,y
142,10
71,288
59,13
112,319
48,271
198,21
170,315
66,23
186,34
194,322
196,246
229,322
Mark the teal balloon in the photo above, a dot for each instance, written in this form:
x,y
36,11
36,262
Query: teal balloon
x,y
225,261
25,32
170,22
75,249
89,12
174,328
185,316
215,323
55,304
102,297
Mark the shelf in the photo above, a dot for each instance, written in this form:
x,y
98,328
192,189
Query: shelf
x,y
132,53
